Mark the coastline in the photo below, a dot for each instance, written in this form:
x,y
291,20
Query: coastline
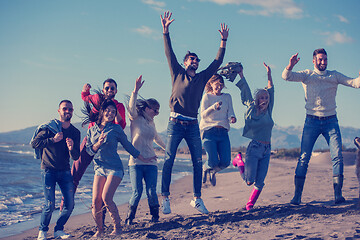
x,y
271,218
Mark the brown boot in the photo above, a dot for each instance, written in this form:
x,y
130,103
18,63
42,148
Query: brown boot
x,y
114,214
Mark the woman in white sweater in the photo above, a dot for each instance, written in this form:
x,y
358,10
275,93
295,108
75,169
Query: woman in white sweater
x,y
216,115
143,134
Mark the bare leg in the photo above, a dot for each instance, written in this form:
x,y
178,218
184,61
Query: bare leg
x,y
97,203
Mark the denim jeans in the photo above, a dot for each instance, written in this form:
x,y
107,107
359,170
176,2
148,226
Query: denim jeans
x,y
218,149
149,174
175,133
65,181
329,128
257,163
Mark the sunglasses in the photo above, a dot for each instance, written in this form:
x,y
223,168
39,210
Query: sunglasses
x,y
67,109
194,59
111,88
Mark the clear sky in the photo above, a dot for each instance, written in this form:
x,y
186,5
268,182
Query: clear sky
x,y
50,49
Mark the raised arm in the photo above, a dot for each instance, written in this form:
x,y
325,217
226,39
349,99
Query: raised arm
x,y
293,61
270,82
224,32
166,21
132,102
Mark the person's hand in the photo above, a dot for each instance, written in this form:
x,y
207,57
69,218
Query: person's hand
x,y
233,120
101,138
267,68
218,105
166,21
58,137
69,143
86,87
293,61
224,31
138,84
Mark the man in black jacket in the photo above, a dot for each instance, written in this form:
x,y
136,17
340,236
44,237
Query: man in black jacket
x,y
57,141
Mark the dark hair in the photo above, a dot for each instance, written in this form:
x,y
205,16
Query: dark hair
x,y
91,116
66,101
319,51
105,105
110,80
214,78
188,54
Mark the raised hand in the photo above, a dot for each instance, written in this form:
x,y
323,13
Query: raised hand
x,y
267,68
166,21
293,61
69,143
101,138
138,84
224,31
86,87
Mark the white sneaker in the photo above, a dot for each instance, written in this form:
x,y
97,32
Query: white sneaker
x,y
59,234
166,206
199,205
42,235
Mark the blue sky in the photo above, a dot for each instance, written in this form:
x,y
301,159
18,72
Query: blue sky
x,y
50,49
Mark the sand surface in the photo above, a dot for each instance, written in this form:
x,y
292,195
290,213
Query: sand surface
x,y
272,217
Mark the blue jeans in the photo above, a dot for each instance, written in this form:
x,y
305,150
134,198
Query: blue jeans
x,y
218,149
175,133
257,163
329,128
65,181
149,174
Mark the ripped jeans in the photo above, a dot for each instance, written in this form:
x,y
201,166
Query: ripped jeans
x,y
65,181
175,133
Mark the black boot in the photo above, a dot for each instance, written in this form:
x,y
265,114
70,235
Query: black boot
x,y
338,184
131,215
154,211
299,186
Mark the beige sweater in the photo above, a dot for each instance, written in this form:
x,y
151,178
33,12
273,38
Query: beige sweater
x,y
320,89
143,134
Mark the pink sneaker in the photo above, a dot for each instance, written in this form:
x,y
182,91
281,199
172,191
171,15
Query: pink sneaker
x,y
239,163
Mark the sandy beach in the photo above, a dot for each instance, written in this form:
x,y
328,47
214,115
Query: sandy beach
x,y
272,217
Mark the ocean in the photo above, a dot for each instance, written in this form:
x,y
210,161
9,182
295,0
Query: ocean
x,y
21,190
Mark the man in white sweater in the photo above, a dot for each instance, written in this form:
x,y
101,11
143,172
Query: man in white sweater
x,y
320,87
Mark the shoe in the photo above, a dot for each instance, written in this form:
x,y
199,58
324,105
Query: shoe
x,y
42,235
212,177
199,205
59,234
205,175
357,142
166,206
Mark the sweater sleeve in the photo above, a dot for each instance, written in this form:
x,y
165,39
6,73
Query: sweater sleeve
x,y
75,152
171,58
271,101
231,112
214,66
206,109
346,81
159,141
132,106
291,76
246,97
